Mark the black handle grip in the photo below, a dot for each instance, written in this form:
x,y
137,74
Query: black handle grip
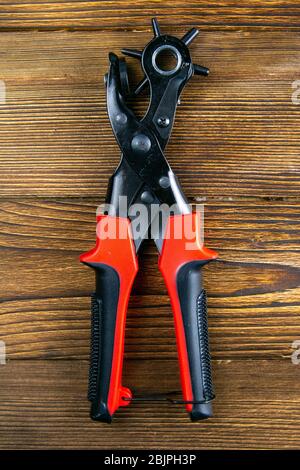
x,y
104,304
193,304
96,309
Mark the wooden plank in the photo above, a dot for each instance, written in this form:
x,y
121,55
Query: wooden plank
x,y
253,290
235,135
242,231
241,329
43,405
125,15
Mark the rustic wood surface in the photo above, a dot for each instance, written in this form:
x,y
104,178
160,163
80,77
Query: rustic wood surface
x,y
235,147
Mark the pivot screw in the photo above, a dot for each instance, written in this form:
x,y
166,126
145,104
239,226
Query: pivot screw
x,y
163,121
141,143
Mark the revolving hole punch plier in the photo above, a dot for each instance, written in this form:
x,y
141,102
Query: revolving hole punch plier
x,y
145,180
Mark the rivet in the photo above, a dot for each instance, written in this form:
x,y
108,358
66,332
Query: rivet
x,y
164,182
147,197
141,143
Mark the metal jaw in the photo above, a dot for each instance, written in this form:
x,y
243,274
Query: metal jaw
x,y
144,174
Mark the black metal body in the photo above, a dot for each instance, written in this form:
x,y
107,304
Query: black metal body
x,y
144,175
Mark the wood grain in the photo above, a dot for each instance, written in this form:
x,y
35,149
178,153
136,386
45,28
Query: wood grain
x,y
235,147
43,405
231,132
134,14
253,290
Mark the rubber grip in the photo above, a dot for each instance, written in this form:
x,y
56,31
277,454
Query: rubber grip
x,y
181,260
95,354
104,306
115,264
193,305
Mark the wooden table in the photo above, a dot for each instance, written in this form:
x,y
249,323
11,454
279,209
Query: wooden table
x,y
235,147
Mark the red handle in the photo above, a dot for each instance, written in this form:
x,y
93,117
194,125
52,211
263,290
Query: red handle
x,y
182,256
115,262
